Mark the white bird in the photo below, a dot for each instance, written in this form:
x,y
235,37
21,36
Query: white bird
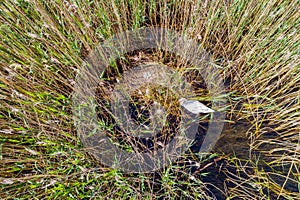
x,y
194,106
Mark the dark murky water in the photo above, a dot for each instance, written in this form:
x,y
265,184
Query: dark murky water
x,y
235,143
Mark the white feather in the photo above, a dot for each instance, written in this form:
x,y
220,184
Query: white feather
x,y
194,106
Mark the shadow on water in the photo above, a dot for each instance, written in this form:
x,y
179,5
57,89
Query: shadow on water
x,y
234,143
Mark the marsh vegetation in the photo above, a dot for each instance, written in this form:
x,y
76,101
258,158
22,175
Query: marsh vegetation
x,y
255,45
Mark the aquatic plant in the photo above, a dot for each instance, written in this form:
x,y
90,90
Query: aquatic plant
x,y
254,45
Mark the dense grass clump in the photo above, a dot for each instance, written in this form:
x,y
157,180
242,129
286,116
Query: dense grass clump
x,y
254,44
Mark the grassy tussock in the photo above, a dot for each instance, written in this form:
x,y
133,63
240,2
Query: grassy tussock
x,y
43,45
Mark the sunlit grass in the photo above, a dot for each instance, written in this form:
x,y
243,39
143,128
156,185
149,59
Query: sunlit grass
x,y
256,46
